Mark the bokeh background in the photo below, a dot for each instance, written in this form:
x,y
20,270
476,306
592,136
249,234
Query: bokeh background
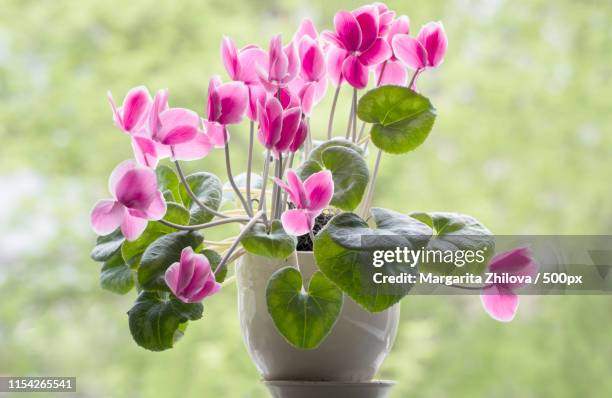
x,y
523,142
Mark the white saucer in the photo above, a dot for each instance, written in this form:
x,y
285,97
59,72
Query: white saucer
x,y
329,389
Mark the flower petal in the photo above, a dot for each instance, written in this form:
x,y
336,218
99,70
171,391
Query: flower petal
x,y
355,73
378,52
106,216
300,137
500,303
132,227
296,221
135,105
394,72
160,104
172,277
433,38
249,58
290,123
178,125
195,149
137,188
157,208
306,29
229,55
186,270
312,60
210,287
399,26
319,189
367,17
408,50
118,173
145,151
348,30
332,39
335,59
234,99
517,262
215,133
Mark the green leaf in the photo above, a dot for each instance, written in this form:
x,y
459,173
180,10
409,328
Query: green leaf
x,y
116,276
402,119
207,188
157,321
456,232
214,259
107,246
276,244
317,153
343,251
132,251
162,253
349,172
168,181
304,318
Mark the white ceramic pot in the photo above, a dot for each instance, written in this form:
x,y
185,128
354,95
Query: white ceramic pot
x,y
353,351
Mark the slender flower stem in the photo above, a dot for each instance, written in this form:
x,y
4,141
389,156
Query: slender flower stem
x,y
289,166
382,73
193,197
350,121
278,190
262,195
197,227
354,114
414,76
244,231
308,146
249,165
370,194
230,177
330,123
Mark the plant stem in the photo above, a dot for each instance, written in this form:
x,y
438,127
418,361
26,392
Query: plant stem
x,y
354,114
262,195
330,123
244,231
369,195
249,165
197,227
230,177
284,194
308,146
350,121
382,72
414,76
193,197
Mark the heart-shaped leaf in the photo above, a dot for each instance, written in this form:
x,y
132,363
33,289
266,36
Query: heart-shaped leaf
x,y
168,182
402,119
304,318
157,320
457,232
162,253
132,251
207,188
107,245
344,250
349,172
116,276
276,244
317,153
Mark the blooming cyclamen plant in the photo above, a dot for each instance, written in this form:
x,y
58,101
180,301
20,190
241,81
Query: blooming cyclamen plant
x,y
150,230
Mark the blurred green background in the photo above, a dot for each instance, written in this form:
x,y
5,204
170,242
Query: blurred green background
x,y
523,142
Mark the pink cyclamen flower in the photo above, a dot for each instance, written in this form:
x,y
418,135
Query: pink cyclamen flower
x,y
191,279
132,113
356,45
426,51
277,126
136,199
282,68
393,71
170,132
311,83
499,300
241,66
227,103
309,198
